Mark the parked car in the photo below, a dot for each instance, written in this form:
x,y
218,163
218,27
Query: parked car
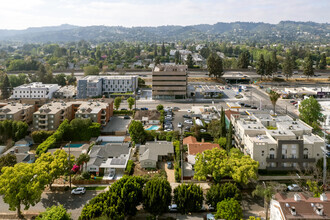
x,y
127,117
207,121
180,125
294,188
247,105
241,103
254,107
169,165
209,216
292,101
295,102
189,111
279,76
187,129
176,108
78,191
168,117
173,208
202,130
123,109
186,116
112,174
188,121
144,108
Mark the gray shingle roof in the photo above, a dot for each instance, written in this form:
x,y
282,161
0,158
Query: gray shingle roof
x,y
151,150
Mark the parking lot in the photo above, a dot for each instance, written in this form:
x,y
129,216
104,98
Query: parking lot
x,y
178,118
117,124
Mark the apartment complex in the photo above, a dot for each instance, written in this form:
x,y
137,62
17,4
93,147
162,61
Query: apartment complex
x,y
169,82
277,142
35,90
93,86
51,115
16,111
65,92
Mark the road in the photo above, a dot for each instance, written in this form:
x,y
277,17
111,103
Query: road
x,y
73,203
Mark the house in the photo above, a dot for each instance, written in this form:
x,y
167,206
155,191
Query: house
x,y
22,153
148,117
103,158
299,206
153,152
195,147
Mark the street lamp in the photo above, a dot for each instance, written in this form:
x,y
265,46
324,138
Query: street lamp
x,y
69,164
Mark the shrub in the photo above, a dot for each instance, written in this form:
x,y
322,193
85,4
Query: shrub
x,y
130,167
40,136
123,112
219,192
188,197
86,175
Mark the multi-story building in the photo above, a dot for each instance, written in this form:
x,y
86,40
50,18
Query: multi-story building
x,y
93,86
51,115
277,142
16,111
35,90
65,92
169,82
99,112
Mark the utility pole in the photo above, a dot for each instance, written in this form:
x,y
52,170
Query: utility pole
x,y
69,164
181,153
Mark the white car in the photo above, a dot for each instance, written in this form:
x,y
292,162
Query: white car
x,y
78,191
188,121
179,125
112,175
294,188
202,130
189,111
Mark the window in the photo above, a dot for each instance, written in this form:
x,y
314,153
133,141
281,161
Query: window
x,y
272,153
305,153
262,153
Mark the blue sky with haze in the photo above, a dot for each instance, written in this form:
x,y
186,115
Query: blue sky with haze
x,y
20,14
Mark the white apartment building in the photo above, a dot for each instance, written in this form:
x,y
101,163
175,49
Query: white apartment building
x,y
92,86
35,90
277,142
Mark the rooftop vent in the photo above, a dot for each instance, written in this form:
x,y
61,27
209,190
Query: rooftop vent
x,y
287,205
323,197
297,197
318,208
293,211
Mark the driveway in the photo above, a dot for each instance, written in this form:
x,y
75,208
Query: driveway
x,y
169,172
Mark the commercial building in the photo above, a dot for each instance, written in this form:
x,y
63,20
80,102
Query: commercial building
x,y
93,86
300,206
169,82
277,142
51,115
16,111
35,90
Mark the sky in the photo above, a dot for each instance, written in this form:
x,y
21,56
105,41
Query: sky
x,y
21,14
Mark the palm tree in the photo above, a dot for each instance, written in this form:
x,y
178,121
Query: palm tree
x,y
274,96
83,159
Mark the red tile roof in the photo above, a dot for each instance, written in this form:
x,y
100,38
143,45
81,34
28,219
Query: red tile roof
x,y
230,112
195,147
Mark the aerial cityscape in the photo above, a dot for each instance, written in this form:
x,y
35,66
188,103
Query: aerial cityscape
x,y
165,110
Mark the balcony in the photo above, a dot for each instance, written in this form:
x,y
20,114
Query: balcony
x,y
43,122
288,160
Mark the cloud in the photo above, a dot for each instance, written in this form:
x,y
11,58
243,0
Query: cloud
x,y
21,14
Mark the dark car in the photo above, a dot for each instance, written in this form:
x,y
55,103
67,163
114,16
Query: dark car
x,y
186,116
292,101
169,165
242,103
247,105
144,108
176,108
187,129
127,117
123,109
254,107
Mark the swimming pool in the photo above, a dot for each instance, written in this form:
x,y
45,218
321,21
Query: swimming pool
x,y
154,127
74,145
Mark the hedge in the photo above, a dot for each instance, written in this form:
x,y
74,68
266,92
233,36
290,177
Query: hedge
x,y
130,167
40,136
123,112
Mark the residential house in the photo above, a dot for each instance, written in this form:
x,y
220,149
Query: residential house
x,y
103,158
195,147
148,117
21,150
153,152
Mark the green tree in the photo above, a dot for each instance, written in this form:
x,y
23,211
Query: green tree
x,y
215,65
91,70
188,197
60,79
137,132
117,102
323,62
222,141
21,185
261,66
157,196
274,96
219,192
177,57
5,86
163,50
222,123
214,128
7,160
269,68
83,160
55,165
244,60
190,61
229,209
266,192
130,102
155,50
274,62
287,66
229,137
160,107
54,213
218,164
310,112
315,188
308,66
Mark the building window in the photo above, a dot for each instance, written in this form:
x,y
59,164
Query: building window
x,y
272,153
305,153
262,153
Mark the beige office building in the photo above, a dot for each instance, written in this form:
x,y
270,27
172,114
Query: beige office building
x,y
169,82
16,111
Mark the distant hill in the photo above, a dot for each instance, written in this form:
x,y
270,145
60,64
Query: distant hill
x,y
285,31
